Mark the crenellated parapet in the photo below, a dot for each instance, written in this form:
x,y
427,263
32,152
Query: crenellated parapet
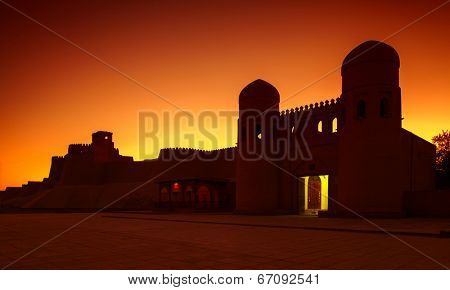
x,y
332,105
188,149
56,158
75,149
183,153
314,120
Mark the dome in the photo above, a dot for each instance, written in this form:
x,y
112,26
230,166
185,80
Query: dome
x,y
371,51
259,94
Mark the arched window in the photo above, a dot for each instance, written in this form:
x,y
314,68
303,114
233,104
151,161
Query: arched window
x,y
188,195
319,126
334,127
176,187
384,108
361,109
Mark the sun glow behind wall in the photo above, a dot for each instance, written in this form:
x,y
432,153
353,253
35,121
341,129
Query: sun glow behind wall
x,y
198,55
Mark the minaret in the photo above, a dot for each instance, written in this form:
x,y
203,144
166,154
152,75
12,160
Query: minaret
x,y
256,175
369,138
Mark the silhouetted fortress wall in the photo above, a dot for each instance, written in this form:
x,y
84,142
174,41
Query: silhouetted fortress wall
x,y
373,166
91,197
79,180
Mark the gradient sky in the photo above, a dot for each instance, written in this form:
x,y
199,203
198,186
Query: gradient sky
x,y
198,55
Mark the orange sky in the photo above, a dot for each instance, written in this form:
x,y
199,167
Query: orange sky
x,y
198,55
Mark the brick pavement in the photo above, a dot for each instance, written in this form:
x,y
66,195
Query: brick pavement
x,y
209,241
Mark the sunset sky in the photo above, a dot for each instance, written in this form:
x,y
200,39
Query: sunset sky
x,y
197,55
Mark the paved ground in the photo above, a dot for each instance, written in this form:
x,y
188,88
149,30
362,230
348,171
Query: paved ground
x,y
207,241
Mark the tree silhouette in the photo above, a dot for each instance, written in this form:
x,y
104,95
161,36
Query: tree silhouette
x,y
442,142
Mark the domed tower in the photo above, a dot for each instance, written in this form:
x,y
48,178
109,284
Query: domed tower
x,y
256,178
369,138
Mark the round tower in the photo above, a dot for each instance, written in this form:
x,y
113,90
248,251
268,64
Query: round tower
x,y
256,178
369,138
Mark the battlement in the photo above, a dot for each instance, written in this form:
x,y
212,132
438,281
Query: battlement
x,y
317,119
57,158
182,153
316,107
79,148
81,145
186,149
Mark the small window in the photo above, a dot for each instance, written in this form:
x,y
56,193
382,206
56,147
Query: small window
x,y
384,108
319,127
334,127
361,109
258,132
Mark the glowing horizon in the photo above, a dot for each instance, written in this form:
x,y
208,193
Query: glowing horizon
x,y
197,56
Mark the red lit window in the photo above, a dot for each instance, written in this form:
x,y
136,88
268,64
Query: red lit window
x,y
175,186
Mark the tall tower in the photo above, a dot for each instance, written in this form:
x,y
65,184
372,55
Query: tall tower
x,y
369,141
103,146
256,175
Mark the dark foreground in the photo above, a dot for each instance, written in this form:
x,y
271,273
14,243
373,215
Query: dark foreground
x,y
207,241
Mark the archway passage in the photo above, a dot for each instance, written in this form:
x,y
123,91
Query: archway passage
x,y
204,197
188,196
314,192
164,195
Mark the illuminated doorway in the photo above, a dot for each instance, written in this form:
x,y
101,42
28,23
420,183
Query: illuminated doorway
x,y
313,194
